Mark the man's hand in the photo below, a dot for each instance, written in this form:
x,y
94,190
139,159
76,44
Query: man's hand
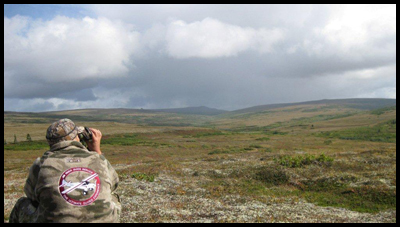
x,y
94,145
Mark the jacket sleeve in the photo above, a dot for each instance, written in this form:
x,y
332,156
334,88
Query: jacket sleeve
x,y
113,176
31,182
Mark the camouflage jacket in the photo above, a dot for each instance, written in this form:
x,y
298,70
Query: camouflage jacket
x,y
71,184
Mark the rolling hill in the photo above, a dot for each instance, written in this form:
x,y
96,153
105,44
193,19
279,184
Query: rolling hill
x,y
322,115
201,110
362,104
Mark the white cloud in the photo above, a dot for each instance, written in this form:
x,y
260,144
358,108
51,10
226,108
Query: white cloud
x,y
355,31
357,24
389,92
211,38
364,83
67,49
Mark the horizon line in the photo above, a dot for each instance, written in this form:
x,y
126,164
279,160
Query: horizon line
x,y
139,108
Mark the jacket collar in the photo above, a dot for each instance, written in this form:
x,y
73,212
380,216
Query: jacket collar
x,y
65,144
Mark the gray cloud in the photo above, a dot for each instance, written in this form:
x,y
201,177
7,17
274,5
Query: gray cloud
x,y
229,57
25,105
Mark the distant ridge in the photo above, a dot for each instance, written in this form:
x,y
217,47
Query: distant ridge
x,y
357,103
361,103
201,110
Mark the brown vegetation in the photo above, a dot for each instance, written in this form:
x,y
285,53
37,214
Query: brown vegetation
x,y
273,166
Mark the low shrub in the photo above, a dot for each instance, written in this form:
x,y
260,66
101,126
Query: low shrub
x,y
263,139
271,176
143,177
303,160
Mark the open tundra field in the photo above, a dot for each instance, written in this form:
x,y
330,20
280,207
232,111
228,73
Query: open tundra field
x,y
310,162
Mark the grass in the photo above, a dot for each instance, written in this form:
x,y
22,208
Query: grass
x,y
384,132
263,139
25,145
228,151
362,199
144,177
252,158
206,134
258,182
303,160
383,110
122,140
295,122
271,176
130,140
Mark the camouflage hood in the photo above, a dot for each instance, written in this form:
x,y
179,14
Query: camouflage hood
x,y
62,130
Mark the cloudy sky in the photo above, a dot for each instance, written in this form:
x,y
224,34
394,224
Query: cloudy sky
x,y
59,57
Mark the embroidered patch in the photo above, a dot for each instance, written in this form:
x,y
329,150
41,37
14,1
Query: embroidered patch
x,y
79,192
72,160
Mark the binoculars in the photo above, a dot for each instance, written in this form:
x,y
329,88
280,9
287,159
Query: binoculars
x,y
85,135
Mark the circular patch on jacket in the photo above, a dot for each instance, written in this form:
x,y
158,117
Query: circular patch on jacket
x,y
79,186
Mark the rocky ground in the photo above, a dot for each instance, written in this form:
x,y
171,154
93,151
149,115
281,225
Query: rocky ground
x,y
182,198
168,200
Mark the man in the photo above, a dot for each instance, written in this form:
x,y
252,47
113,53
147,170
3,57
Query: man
x,y
69,183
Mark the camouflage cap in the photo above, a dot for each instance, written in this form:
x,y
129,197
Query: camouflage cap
x,y
62,130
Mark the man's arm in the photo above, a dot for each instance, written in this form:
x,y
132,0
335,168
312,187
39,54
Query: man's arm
x,y
31,181
113,176
94,145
